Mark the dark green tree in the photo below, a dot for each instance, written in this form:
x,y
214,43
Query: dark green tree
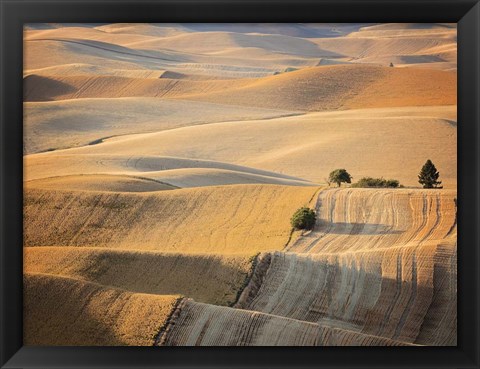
x,y
303,218
428,176
340,175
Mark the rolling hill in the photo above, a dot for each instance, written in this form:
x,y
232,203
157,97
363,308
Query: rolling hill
x,y
225,219
213,279
309,89
306,147
64,311
163,164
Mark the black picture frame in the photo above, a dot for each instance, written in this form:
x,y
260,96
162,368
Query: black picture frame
x,y
14,13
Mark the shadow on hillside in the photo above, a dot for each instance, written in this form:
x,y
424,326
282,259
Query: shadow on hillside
x,y
205,278
39,88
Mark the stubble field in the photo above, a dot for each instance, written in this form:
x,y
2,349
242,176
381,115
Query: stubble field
x,y
162,164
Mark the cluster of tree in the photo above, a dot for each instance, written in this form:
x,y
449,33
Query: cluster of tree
x,y
428,178
305,218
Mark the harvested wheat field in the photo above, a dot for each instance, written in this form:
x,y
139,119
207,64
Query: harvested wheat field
x,y
163,164
67,311
208,325
101,182
303,148
214,279
387,293
227,219
53,125
135,180
309,89
368,219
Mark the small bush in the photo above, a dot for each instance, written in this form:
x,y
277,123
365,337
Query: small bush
x,y
303,218
393,183
369,182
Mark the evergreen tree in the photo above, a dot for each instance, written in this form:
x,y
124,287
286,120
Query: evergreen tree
x,y
428,176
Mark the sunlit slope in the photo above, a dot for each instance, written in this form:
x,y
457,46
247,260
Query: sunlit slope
x,y
83,69
50,53
92,34
66,163
308,89
224,54
239,50
100,182
46,53
419,45
158,181
369,219
39,88
223,219
129,173
389,143
76,69
62,124
381,262
290,29
216,43
406,293
213,42
342,87
215,279
229,52
65,311
148,29
199,324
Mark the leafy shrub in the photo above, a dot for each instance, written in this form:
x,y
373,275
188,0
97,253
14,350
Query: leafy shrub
x,y
393,183
303,218
377,183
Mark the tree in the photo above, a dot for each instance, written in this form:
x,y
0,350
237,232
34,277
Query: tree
x,y
340,175
303,218
428,176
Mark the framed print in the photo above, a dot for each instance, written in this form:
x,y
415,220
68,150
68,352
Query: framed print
x,y
227,184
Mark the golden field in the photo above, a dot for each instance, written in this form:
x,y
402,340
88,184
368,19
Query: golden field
x,y
227,219
162,164
65,311
214,279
